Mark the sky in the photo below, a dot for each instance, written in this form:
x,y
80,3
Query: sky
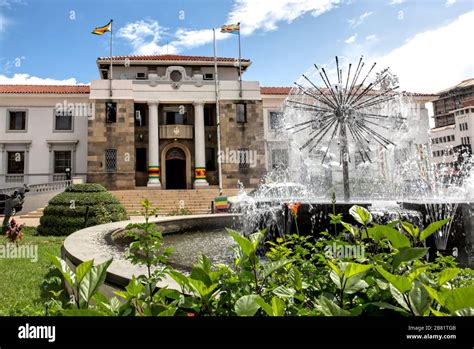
x,y
427,44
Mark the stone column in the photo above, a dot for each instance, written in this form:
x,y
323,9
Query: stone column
x,y
200,146
153,146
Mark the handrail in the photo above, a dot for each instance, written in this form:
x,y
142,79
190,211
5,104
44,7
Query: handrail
x,y
40,188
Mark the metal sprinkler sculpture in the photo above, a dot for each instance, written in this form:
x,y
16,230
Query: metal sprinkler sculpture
x,y
337,111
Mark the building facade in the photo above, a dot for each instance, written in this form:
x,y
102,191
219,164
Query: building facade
x,y
154,124
454,126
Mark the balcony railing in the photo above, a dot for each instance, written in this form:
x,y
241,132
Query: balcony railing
x,y
176,131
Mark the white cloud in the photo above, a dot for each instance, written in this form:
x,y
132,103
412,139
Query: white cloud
x,y
423,67
396,2
4,23
371,38
351,39
449,3
26,79
260,14
8,3
147,37
355,22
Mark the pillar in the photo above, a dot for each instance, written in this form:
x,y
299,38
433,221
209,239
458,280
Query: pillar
x,y
200,146
153,146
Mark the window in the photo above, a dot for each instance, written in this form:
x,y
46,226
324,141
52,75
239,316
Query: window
x,y
140,160
279,158
209,115
210,159
175,115
111,112
244,161
63,120
208,76
275,120
16,162
176,76
241,113
111,160
17,121
140,114
62,160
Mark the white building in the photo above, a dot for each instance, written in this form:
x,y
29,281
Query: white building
x,y
37,140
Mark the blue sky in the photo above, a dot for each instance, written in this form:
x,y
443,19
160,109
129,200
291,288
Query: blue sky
x,y
49,41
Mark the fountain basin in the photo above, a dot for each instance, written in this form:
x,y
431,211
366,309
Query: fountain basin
x,y
97,243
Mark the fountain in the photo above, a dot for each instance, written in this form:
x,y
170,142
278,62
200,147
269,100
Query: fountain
x,y
356,139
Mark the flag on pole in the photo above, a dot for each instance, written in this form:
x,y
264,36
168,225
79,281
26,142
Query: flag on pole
x,y
102,30
231,28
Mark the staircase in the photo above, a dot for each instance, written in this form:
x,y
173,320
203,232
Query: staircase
x,y
196,201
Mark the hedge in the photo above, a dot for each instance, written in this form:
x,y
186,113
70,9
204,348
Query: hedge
x,y
66,211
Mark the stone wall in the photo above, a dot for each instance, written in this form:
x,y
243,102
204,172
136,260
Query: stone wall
x,y
119,136
234,136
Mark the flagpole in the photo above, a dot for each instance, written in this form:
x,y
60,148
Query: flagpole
x,y
111,65
218,120
240,65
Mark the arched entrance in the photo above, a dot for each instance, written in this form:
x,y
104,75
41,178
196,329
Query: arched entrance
x,y
176,166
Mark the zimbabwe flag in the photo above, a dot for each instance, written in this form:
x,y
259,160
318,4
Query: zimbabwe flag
x,y
231,28
102,30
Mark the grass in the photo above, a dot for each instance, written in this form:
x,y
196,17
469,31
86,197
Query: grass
x,y
21,279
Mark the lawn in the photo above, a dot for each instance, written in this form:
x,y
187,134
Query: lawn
x,y
21,279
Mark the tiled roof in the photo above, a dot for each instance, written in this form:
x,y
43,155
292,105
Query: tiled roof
x,y
282,90
45,89
275,90
174,58
463,84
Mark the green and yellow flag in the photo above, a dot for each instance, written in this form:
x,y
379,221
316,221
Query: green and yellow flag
x,y
102,30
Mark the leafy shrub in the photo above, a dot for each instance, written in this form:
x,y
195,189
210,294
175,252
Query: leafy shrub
x,y
66,212
298,277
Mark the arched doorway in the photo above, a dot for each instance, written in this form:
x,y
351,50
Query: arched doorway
x,y
175,168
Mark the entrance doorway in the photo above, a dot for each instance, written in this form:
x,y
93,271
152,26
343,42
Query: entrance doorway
x,y
175,169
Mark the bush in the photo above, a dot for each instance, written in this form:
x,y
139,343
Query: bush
x,y
66,212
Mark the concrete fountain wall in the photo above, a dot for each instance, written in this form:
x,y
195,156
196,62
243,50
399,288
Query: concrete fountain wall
x,y
96,243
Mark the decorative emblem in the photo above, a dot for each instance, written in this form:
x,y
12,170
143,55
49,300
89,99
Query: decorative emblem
x,y
176,131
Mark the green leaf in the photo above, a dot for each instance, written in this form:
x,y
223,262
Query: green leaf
x,y
268,309
439,297
419,299
360,214
201,289
80,312
245,244
134,288
416,272
180,278
283,291
329,308
168,312
66,272
438,313
334,268
398,240
197,273
465,312
82,269
408,254
459,298
446,275
410,229
247,305
353,269
351,229
295,277
355,284
92,281
384,305
401,283
278,306
433,227
271,267
398,296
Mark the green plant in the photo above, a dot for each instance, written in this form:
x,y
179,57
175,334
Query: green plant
x,y
180,212
80,206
